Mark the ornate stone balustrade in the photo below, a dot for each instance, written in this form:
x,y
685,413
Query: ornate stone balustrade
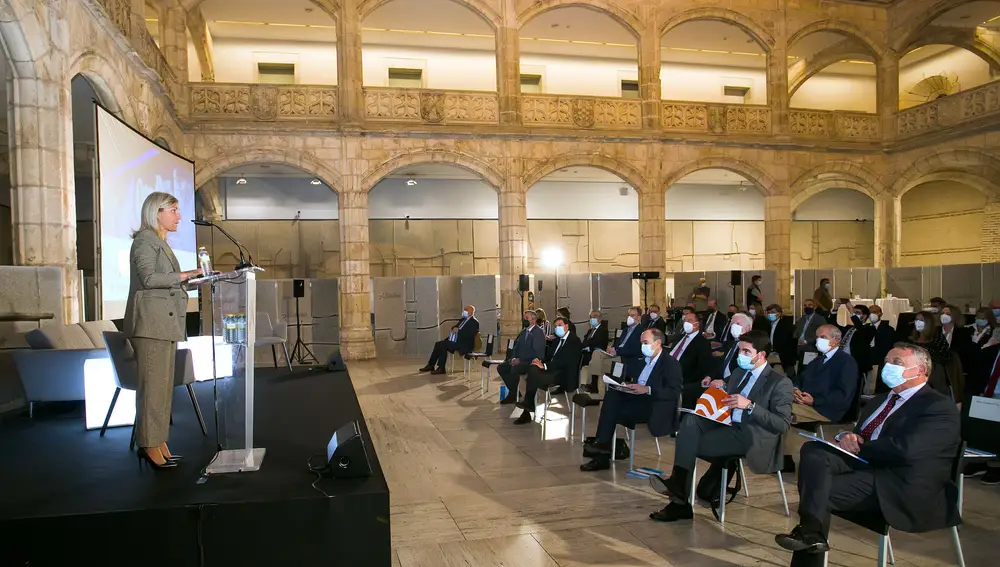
x,y
678,116
835,125
581,112
423,106
956,109
120,12
264,103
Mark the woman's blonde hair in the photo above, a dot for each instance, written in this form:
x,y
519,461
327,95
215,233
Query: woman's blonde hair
x,y
156,202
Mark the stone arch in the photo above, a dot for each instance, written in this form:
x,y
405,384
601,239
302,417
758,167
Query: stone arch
x,y
819,61
922,19
974,168
211,169
106,82
832,175
622,16
475,165
622,169
484,10
963,39
745,23
751,173
167,135
844,28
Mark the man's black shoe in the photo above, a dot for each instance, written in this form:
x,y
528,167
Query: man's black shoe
x,y
596,465
801,541
510,399
673,512
525,417
596,450
789,466
675,486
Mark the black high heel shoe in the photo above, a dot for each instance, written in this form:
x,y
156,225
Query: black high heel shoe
x,y
144,457
173,458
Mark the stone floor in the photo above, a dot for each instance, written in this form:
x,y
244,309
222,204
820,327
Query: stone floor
x,y
468,488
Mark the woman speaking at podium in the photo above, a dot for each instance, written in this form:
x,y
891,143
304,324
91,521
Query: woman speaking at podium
x,y
154,322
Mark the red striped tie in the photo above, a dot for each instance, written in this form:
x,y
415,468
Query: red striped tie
x,y
881,417
680,348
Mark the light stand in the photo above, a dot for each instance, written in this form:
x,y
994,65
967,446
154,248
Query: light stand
x,y
299,356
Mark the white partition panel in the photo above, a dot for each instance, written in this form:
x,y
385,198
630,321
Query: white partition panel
x,y
390,307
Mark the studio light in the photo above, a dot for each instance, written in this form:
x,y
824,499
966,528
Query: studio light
x,y
552,257
411,182
241,180
315,181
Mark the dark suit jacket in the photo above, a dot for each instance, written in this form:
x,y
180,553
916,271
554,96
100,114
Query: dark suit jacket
x,y
530,346
718,326
832,384
861,341
884,339
783,343
466,339
770,420
760,323
964,348
912,461
660,324
595,338
730,353
664,387
631,351
979,378
566,362
696,363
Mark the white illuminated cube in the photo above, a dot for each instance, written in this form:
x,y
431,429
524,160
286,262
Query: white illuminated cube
x,y
98,389
201,355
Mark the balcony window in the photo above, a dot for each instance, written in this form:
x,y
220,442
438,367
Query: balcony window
x,y
406,78
276,73
531,84
630,89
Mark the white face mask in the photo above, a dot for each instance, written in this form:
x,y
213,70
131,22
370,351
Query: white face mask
x,y
918,325
736,331
945,318
823,345
753,312
873,318
932,309
688,327
630,321
654,315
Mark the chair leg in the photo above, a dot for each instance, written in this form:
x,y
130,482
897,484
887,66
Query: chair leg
x,y
819,433
31,410
631,451
722,496
657,439
583,425
694,483
131,442
197,410
614,444
784,499
888,548
957,543
274,355
743,476
883,544
288,361
111,408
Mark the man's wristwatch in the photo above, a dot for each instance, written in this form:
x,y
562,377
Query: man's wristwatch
x,y
750,408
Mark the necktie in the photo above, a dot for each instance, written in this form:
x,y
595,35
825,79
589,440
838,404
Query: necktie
x,y
743,383
680,348
994,378
729,359
869,429
558,346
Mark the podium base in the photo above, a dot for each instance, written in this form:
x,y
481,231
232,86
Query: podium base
x,y
236,460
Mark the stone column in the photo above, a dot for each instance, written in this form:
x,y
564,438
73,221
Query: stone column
x,y
887,93
211,200
777,87
778,245
349,77
202,41
991,233
886,235
508,55
174,44
652,243
649,69
356,341
513,250
43,195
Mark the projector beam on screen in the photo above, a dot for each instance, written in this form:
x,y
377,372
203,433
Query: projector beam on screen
x,y
130,167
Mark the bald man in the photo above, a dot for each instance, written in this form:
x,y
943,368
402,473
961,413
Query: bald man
x,y
462,340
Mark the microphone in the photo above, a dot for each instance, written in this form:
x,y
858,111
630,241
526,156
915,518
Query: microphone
x,y
243,261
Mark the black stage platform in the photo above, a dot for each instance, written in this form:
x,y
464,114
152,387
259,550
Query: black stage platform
x,y
71,497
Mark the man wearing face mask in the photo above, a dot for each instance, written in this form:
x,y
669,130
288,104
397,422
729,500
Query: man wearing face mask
x,y
694,352
461,340
528,346
755,297
560,367
779,330
937,304
761,403
713,323
651,399
858,336
805,328
909,439
728,357
655,321
626,349
830,381
595,338
822,298
882,342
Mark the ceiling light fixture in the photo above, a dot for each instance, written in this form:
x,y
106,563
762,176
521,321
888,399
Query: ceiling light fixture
x,y
993,19
411,182
315,181
241,180
858,62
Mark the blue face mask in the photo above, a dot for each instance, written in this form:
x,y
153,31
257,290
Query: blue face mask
x,y
772,317
744,362
647,350
465,314
981,322
892,375
593,323
560,331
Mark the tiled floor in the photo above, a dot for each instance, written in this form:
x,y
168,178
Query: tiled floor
x,y
468,488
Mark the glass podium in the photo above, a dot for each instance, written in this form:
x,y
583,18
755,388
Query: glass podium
x,y
233,305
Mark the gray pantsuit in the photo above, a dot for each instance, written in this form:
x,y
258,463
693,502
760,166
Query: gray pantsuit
x,y
155,394
154,323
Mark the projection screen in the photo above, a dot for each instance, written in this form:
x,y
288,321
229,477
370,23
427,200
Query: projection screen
x,y
130,167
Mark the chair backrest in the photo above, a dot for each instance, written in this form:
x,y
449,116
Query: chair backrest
x,y
264,327
489,345
122,360
510,348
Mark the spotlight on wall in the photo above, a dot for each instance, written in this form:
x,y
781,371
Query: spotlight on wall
x,y
411,182
241,180
552,257
315,181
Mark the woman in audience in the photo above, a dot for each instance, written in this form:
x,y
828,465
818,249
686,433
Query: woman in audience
x,y
927,333
984,327
154,323
544,325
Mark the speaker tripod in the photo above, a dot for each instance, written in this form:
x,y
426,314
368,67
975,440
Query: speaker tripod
x,y
300,356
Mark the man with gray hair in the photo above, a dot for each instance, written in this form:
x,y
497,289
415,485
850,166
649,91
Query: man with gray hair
x,y
905,443
528,346
830,382
740,324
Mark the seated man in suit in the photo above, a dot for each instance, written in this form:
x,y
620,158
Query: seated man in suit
x,y
727,358
780,331
530,344
713,323
694,352
627,349
561,366
909,439
654,321
652,399
983,381
830,381
462,340
882,342
595,338
760,400
805,328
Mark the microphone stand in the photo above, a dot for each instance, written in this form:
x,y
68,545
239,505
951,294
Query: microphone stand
x,y
243,261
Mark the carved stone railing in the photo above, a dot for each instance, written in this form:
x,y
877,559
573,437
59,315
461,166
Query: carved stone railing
x,y
263,103
678,116
424,106
835,125
959,108
581,112
120,13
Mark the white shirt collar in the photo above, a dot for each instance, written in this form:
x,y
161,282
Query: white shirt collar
x,y
655,358
692,334
756,372
829,354
910,392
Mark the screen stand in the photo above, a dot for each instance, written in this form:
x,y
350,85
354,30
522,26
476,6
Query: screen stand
x,y
236,460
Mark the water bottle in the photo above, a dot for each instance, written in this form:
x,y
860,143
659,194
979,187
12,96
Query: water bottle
x,y
204,261
228,329
241,328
